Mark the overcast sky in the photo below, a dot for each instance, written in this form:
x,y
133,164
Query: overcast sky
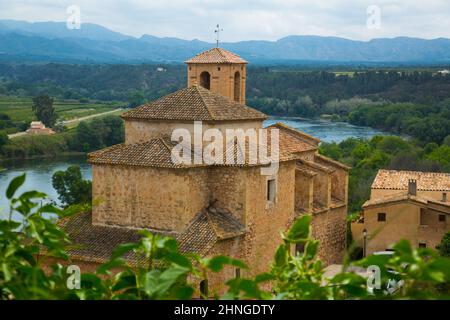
x,y
248,19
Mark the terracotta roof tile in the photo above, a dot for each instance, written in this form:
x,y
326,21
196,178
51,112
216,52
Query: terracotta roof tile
x,y
216,55
299,135
194,104
330,162
224,224
154,153
199,237
398,180
96,243
207,228
406,197
158,153
314,166
293,141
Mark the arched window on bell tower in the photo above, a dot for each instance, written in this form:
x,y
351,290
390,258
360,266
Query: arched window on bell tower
x,y
205,80
220,71
237,86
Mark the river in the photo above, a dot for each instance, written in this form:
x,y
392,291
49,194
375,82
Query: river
x,y
39,171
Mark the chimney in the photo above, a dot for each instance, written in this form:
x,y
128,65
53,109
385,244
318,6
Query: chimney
x,y
412,187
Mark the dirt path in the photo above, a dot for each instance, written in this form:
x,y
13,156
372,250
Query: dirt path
x,y
90,117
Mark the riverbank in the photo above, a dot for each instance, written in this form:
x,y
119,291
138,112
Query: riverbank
x,y
61,144
41,168
43,157
327,131
39,173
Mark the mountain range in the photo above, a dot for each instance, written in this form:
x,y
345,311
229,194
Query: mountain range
x,y
23,41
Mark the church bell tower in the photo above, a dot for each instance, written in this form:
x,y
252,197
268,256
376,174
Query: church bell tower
x,y
220,71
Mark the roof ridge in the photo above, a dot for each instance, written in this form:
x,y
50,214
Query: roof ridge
x,y
204,102
295,132
332,161
211,224
221,52
165,144
414,172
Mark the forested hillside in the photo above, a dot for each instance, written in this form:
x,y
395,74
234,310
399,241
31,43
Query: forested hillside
x,y
413,102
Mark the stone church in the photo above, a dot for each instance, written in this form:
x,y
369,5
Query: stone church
x,y
223,209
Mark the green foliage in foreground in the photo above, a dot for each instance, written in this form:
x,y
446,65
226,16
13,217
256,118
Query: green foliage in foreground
x,y
444,246
167,274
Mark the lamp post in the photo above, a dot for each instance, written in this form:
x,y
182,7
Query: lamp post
x,y
364,243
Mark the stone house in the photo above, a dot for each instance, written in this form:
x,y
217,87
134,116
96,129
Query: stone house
x,y
228,209
37,127
405,205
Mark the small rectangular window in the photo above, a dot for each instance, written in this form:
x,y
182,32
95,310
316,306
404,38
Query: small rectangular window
x,y
422,245
238,273
444,197
442,218
271,189
381,217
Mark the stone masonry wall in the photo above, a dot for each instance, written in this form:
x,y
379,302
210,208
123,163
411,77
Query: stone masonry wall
x,y
265,220
222,78
147,197
329,228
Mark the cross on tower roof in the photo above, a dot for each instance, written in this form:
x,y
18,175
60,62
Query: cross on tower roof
x,y
218,31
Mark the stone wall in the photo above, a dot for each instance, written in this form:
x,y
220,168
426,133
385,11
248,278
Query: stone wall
x,y
303,192
222,78
385,193
402,222
227,187
330,228
138,131
265,220
159,199
322,189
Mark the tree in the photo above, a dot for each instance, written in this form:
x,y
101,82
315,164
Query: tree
x,y
71,187
136,99
100,133
166,273
444,246
3,139
441,155
44,110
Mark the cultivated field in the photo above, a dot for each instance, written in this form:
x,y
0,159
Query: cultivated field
x,y
19,109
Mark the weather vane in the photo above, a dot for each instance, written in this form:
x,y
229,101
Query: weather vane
x,y
218,31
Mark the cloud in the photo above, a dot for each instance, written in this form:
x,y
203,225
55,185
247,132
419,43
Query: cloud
x,y
245,20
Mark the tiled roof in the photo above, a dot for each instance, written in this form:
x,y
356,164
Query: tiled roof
x,y
314,166
406,197
330,162
96,243
194,104
224,224
216,55
154,153
158,153
301,140
398,180
207,228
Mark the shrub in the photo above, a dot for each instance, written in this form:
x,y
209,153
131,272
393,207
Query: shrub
x,y
168,274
